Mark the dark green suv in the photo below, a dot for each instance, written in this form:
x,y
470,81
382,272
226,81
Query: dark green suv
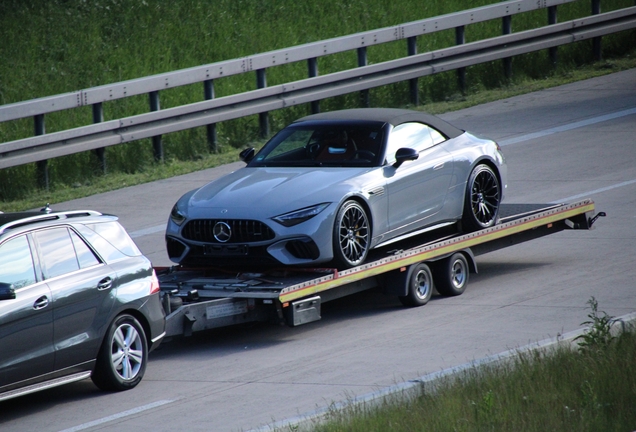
x,y
77,299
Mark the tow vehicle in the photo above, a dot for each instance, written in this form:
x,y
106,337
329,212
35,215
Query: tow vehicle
x,y
198,299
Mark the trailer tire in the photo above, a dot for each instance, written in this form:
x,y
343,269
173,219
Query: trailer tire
x,y
482,201
122,358
419,286
451,275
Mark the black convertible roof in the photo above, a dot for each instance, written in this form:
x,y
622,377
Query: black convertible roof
x,y
393,116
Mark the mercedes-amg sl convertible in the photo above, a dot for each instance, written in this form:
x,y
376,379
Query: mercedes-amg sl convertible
x,y
330,187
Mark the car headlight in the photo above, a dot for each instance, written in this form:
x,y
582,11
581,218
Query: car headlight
x,y
176,215
298,216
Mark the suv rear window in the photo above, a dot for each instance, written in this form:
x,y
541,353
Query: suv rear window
x,y
115,234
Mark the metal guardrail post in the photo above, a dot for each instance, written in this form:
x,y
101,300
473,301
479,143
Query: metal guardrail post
x,y
312,67
157,146
506,28
42,167
362,61
98,117
460,39
411,47
552,19
596,42
208,93
263,118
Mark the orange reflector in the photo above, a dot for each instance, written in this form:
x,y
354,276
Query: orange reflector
x,y
154,283
549,225
285,304
402,269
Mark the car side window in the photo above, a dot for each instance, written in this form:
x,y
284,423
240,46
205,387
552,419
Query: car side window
x,y
16,262
56,251
411,135
85,255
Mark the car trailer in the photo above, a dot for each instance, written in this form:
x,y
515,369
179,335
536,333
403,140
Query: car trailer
x,y
198,299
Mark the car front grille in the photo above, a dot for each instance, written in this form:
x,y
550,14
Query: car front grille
x,y
242,231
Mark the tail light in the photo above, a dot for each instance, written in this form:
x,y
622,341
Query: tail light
x,y
154,283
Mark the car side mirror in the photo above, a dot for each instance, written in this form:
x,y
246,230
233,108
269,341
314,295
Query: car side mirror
x,y
6,291
247,155
405,154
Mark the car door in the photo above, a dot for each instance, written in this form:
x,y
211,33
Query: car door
x,y
417,189
81,286
26,321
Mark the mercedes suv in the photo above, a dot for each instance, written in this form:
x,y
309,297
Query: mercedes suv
x,y
77,300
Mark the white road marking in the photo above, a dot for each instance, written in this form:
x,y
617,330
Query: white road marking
x,y
593,192
118,416
147,231
567,127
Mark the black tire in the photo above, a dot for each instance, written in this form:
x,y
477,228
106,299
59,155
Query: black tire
x,y
483,197
420,286
351,235
451,275
121,362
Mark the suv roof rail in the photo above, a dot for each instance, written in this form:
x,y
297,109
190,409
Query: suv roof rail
x,y
46,217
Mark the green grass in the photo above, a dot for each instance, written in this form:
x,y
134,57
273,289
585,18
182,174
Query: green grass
x,y
592,389
57,46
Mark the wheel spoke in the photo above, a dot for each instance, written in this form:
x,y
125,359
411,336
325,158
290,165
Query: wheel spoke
x,y
485,197
353,234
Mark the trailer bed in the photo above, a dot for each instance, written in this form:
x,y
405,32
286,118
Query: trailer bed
x,y
205,298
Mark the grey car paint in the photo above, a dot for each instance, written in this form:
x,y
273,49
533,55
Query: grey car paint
x,y
54,327
400,200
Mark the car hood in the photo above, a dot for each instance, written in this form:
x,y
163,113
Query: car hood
x,y
272,191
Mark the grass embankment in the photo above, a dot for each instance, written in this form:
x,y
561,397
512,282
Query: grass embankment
x,y
592,389
60,46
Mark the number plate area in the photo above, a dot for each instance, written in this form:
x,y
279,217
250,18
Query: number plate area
x,y
226,250
226,309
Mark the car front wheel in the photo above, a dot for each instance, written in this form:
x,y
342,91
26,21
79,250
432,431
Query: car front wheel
x,y
122,358
351,236
483,196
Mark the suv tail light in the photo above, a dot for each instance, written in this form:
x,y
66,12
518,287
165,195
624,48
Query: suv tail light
x,y
154,283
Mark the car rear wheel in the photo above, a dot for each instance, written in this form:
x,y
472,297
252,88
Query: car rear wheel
x,y
122,358
483,196
351,235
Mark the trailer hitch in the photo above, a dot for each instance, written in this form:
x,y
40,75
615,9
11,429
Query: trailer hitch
x,y
582,221
591,221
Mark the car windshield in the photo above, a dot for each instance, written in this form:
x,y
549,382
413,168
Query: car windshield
x,y
328,144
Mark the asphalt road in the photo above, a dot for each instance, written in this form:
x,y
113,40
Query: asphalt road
x,y
564,144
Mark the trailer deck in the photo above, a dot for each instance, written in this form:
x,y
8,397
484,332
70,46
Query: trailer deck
x,y
205,298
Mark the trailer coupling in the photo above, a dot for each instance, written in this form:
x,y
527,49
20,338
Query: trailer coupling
x,y
583,221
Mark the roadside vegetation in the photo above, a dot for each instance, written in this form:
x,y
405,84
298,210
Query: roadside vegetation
x,y
59,46
591,388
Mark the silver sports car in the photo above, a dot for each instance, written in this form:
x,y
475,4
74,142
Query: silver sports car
x,y
332,186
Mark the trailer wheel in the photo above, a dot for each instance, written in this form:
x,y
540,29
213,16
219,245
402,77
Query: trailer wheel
x,y
122,358
451,275
351,235
419,286
483,196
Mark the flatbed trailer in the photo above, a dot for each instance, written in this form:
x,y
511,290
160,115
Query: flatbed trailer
x,y
198,299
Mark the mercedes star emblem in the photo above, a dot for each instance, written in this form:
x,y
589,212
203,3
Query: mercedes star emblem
x,y
222,232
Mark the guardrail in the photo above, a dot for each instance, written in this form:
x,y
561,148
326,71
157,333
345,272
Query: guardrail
x,y
153,124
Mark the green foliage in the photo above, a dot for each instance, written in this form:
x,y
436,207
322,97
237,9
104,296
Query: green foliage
x,y
58,46
598,336
558,390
